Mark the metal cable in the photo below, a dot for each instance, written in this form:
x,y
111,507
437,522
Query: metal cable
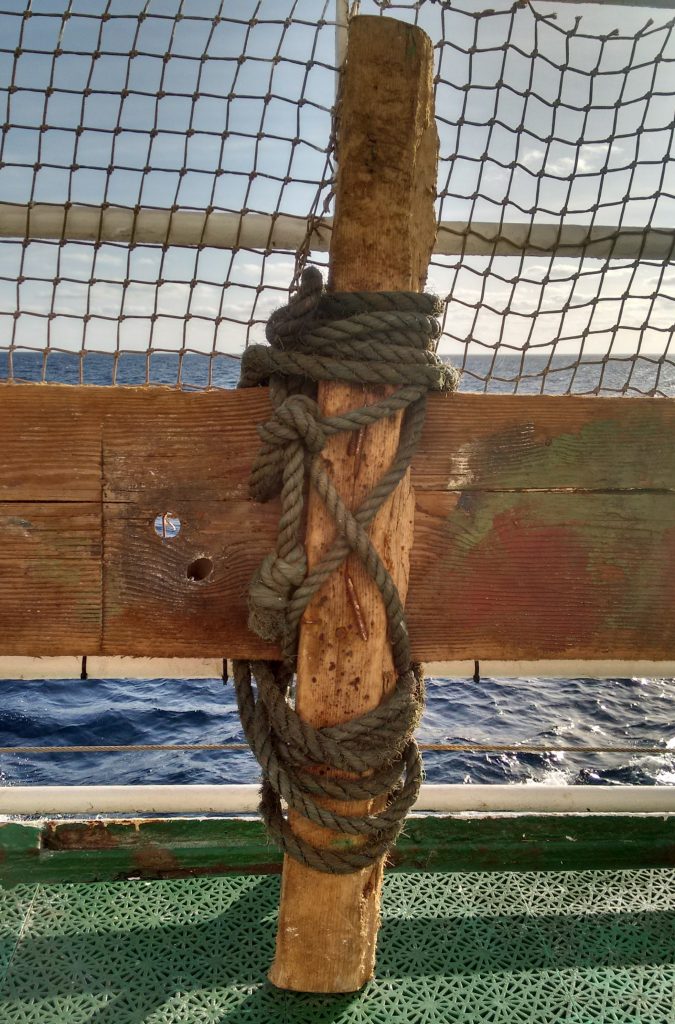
x,y
467,748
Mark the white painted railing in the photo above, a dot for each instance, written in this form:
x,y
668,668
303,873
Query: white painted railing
x,y
226,230
243,799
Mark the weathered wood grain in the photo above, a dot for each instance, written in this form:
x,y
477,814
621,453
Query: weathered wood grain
x,y
156,439
494,575
504,442
51,442
58,442
157,445
50,577
523,548
383,234
152,607
543,574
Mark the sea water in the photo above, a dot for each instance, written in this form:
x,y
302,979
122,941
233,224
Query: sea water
x,y
541,712
624,712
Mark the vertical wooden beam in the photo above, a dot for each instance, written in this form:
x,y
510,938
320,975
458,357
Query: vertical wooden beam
x,y
382,240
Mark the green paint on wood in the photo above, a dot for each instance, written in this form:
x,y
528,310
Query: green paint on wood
x,y
17,839
624,448
637,457
179,847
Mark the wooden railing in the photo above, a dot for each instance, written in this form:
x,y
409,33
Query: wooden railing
x,y
544,528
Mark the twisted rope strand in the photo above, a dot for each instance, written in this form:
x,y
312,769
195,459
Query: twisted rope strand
x,y
371,338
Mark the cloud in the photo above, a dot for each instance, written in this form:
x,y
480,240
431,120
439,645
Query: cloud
x,y
560,160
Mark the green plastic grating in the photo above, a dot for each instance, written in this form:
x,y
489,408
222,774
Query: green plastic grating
x,y
582,948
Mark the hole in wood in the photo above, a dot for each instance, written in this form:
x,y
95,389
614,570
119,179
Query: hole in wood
x,y
167,525
200,569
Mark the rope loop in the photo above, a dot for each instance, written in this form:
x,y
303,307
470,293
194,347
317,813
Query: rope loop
x,y
369,338
270,591
295,419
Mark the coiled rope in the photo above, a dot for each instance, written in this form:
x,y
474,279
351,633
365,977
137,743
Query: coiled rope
x,y
373,338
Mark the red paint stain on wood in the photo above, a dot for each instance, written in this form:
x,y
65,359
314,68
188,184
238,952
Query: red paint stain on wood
x,y
523,579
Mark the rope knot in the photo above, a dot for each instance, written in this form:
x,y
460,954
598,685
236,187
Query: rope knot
x,y
271,590
296,419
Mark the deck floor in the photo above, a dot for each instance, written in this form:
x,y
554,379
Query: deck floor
x,y
575,947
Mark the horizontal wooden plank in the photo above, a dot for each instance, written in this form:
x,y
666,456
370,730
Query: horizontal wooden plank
x,y
516,442
63,443
18,666
493,575
545,527
194,446
58,440
112,667
80,851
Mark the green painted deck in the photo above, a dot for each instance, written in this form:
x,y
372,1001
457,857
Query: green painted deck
x,y
503,948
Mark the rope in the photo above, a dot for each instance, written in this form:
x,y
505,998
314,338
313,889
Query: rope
x,y
369,338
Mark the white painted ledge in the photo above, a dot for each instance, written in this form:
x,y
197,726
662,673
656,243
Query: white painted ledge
x,y
227,230
108,667
20,667
533,798
105,667
554,669
154,668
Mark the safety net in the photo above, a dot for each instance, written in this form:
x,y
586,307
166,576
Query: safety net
x,y
166,170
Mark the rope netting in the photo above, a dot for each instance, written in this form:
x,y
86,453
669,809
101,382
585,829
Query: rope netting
x,y
166,170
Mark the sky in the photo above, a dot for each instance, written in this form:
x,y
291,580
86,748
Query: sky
x,y
536,122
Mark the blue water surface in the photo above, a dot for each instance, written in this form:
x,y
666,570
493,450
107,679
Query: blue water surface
x,y
555,712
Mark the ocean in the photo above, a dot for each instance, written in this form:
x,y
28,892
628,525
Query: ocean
x,y
637,712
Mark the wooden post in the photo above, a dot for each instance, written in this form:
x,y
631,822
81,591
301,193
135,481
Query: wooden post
x,y
382,240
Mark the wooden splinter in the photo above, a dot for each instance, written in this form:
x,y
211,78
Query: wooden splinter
x,y
382,238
